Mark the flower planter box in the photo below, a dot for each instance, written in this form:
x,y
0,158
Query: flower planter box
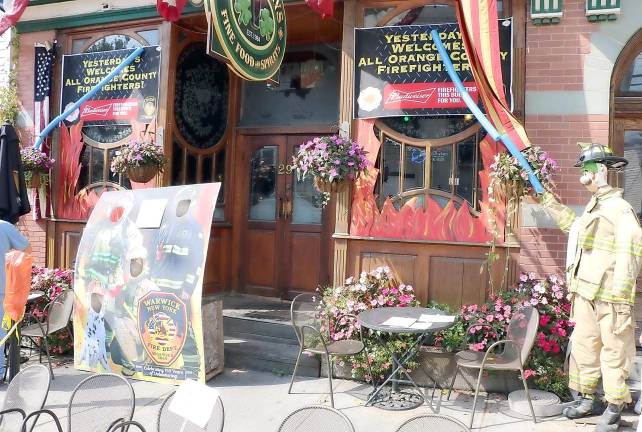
x,y
441,366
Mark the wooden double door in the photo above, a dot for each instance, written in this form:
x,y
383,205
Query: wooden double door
x,y
285,228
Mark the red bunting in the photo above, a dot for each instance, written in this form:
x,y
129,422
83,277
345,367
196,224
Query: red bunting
x,y
323,7
11,15
170,10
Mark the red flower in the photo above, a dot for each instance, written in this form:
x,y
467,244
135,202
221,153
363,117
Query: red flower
x,y
543,320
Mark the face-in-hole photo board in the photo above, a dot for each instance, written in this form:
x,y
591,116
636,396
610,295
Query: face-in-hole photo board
x,y
138,283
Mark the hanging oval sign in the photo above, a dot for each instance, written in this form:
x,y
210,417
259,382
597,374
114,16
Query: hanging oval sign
x,y
251,34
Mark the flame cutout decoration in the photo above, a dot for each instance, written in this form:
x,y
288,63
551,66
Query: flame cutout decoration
x,y
78,206
413,221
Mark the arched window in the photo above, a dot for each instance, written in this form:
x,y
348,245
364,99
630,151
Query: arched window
x,y
103,138
626,115
428,156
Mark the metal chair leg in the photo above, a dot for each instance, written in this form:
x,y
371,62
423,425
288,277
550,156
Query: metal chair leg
x,y
528,395
329,360
296,366
452,383
48,357
472,414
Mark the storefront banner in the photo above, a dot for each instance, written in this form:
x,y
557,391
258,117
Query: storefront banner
x,y
138,283
398,71
250,36
130,96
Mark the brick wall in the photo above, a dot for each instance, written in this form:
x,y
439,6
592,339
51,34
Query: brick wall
x,y
36,231
555,67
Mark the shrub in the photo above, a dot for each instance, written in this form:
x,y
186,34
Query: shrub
x,y
52,282
545,365
370,290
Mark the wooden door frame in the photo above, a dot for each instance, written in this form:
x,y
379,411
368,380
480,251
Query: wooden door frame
x,y
241,208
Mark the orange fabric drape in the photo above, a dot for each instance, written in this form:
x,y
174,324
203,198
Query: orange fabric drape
x,y
480,33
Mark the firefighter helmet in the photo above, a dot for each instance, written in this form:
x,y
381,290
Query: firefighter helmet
x,y
599,153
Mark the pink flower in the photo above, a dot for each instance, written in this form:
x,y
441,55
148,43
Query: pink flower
x,y
490,318
543,320
528,373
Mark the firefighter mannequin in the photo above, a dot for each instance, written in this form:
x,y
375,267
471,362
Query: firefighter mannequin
x,y
603,260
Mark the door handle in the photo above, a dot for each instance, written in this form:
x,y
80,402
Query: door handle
x,y
286,208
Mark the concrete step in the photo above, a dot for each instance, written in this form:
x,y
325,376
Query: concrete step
x,y
269,356
248,326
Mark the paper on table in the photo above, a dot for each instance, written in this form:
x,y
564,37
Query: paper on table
x,y
437,318
151,213
421,325
194,402
399,322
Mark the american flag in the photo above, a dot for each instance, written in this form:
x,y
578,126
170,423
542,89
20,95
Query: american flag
x,y
10,13
43,71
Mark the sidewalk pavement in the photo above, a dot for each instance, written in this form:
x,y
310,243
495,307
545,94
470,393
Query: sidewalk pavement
x,y
259,401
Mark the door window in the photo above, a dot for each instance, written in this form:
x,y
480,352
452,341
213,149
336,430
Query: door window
x,y
262,197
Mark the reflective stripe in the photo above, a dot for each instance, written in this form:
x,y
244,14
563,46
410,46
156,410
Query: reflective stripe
x,y
176,250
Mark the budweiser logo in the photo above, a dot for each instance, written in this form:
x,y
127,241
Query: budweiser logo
x,y
101,111
417,96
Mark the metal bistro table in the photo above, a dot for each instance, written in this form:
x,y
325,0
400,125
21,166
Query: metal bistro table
x,y
408,323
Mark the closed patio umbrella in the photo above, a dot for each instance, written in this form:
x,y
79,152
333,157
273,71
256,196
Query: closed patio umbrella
x,y
14,201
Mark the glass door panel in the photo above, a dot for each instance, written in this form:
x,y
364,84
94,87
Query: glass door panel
x,y
262,198
306,205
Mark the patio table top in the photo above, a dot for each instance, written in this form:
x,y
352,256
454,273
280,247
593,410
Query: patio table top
x,y
375,319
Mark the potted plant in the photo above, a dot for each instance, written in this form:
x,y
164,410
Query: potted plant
x,y
141,160
510,180
36,165
332,160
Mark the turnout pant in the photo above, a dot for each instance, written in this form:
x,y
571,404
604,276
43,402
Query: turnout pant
x,y
603,346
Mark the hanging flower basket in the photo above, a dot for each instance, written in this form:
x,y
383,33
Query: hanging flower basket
x,y
32,178
139,160
142,173
328,187
510,189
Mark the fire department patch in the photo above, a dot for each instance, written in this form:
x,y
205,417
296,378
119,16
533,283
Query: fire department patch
x,y
162,324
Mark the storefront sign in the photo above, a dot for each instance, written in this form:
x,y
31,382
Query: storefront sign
x,y
249,35
130,96
398,71
138,283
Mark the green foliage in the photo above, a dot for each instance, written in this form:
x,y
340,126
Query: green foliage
x,y
242,7
451,339
266,23
9,104
379,355
549,374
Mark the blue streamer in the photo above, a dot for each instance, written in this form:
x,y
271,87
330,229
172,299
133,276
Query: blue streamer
x,y
55,122
481,118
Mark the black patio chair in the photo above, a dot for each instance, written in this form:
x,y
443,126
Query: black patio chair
x,y
128,426
521,334
96,404
433,422
307,324
26,393
316,418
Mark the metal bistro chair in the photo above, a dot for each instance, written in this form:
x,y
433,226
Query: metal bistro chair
x,y
26,393
170,422
307,326
433,422
58,313
96,404
316,418
522,331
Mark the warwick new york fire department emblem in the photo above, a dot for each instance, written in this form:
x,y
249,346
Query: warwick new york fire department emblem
x,y
162,324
